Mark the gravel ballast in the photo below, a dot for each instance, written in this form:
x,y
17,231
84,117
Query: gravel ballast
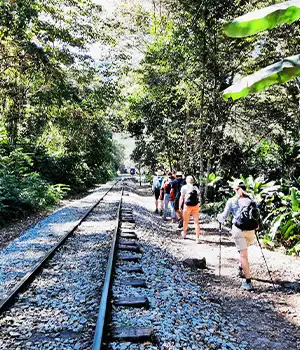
x,y
59,309
20,256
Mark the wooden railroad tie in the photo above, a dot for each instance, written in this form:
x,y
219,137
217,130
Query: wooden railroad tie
x,y
132,334
128,220
126,235
128,230
132,302
134,282
130,248
127,226
134,258
133,243
132,269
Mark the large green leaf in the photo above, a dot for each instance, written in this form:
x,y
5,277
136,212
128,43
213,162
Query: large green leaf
x,y
295,202
266,18
279,72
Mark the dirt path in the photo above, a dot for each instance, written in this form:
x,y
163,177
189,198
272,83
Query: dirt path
x,y
265,318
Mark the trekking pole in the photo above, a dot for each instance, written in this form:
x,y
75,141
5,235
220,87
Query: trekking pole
x,y
265,260
220,233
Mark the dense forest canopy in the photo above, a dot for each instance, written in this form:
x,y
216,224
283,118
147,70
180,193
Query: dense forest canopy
x,y
73,72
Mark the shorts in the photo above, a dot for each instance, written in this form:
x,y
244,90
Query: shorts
x,y
176,204
156,193
242,238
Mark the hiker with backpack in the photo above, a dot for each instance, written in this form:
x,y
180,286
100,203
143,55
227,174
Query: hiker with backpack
x,y
244,223
190,200
156,189
176,192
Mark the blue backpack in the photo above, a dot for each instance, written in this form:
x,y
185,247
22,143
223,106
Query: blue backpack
x,y
158,182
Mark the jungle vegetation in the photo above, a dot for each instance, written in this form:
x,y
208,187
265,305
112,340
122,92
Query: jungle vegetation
x,y
161,80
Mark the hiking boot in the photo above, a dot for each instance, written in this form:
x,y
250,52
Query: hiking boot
x,y
183,235
180,225
247,286
198,240
241,273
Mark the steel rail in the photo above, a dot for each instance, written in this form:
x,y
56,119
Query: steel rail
x,y
7,301
106,290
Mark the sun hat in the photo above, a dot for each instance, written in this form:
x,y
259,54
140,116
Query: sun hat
x,y
179,173
160,172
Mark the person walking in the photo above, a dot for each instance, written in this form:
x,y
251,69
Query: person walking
x,y
156,189
176,185
190,200
172,199
242,238
167,189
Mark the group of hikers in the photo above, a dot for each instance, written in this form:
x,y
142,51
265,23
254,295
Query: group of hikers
x,y
183,196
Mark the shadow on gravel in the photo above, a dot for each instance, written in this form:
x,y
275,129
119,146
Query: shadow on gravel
x,y
256,315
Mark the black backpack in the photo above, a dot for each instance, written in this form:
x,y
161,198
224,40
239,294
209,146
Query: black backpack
x,y
249,217
191,198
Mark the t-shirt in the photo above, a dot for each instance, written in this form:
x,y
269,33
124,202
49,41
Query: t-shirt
x,y
191,193
189,187
177,183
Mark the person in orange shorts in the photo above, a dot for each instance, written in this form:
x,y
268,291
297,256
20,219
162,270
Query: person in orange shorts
x,y
190,200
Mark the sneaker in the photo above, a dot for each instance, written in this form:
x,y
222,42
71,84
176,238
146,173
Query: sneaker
x,y
161,213
198,240
247,286
156,211
183,234
241,273
164,218
174,221
180,225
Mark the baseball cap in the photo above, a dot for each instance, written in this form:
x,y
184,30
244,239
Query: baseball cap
x,y
238,184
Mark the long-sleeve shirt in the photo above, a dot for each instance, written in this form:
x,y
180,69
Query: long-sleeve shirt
x,y
233,206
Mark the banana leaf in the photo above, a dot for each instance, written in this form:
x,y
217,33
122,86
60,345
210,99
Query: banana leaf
x,y
265,18
295,202
279,72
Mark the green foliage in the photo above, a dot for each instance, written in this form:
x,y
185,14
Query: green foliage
x,y
263,19
54,102
283,219
23,190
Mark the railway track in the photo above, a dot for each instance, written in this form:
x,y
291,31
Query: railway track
x,y
126,252
27,294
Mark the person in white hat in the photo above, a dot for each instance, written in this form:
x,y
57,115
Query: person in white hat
x,y
156,187
242,238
